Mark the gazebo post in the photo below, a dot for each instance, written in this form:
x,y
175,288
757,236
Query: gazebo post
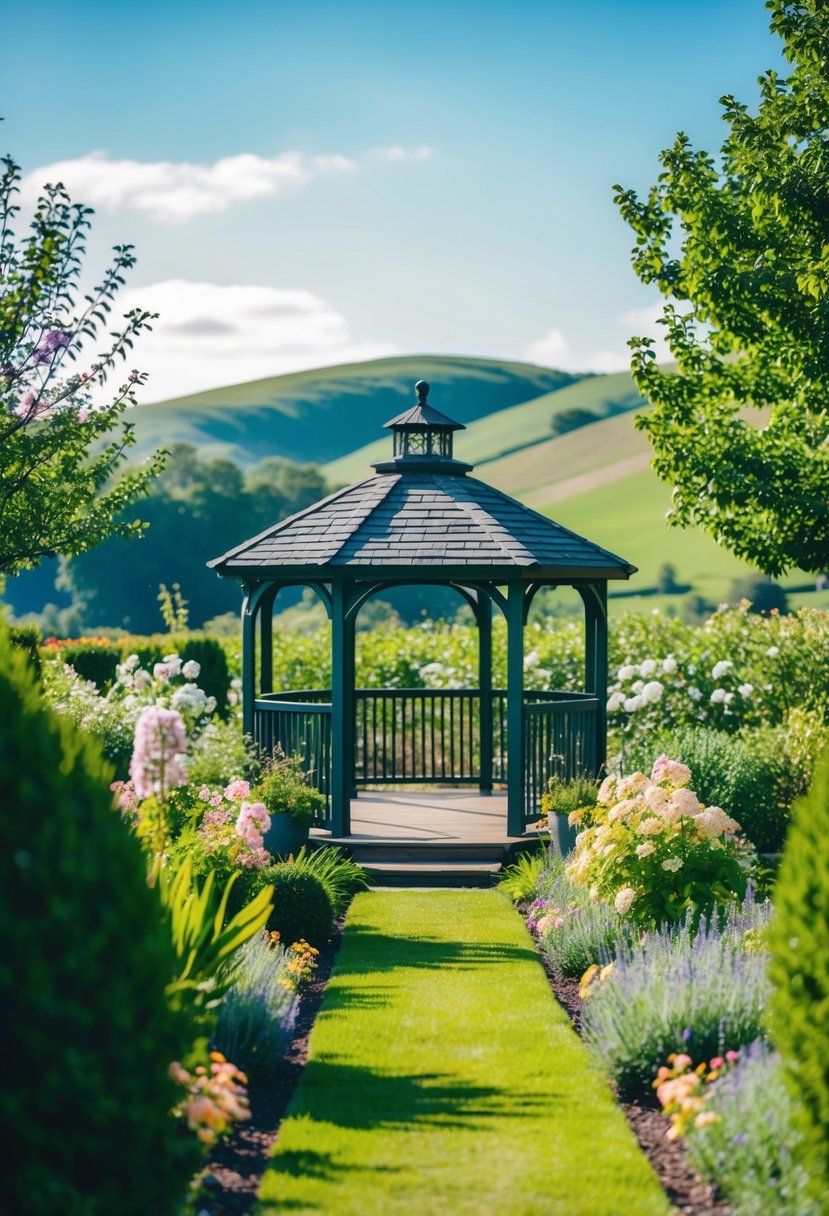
x,y
266,639
483,614
342,711
248,657
595,662
515,709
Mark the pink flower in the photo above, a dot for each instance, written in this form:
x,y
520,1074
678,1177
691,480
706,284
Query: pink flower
x,y
204,793
256,858
159,743
237,790
252,823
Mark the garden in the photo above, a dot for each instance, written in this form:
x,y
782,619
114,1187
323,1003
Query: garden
x,y
214,1011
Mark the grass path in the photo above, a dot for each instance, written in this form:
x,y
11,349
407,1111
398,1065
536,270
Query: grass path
x,y
444,1078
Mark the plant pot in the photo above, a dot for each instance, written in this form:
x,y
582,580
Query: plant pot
x,y
285,835
564,836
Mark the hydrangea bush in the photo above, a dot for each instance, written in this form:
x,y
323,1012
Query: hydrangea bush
x,y
651,849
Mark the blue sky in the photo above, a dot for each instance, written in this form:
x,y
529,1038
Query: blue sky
x,y
310,182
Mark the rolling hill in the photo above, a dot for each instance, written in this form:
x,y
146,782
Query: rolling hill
x,y
326,413
511,429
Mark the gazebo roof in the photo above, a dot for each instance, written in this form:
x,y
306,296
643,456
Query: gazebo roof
x,y
434,523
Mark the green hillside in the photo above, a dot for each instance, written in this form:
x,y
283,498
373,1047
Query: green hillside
x,y
598,481
324,414
510,429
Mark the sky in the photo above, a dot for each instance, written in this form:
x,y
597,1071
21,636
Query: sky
x,y
312,182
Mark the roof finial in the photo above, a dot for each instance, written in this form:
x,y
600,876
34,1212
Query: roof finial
x,y
422,390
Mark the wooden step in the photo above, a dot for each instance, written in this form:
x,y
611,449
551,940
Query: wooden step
x,y
434,873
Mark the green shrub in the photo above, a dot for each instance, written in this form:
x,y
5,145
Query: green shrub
x,y
285,788
800,973
755,776
85,1100
520,879
27,639
340,876
302,907
92,661
222,749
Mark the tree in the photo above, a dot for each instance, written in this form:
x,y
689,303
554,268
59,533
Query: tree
x,y
571,420
61,486
740,247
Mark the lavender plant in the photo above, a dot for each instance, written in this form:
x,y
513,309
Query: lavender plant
x,y
749,1146
573,930
257,1017
676,990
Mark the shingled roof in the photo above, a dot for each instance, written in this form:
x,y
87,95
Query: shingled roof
x,y
434,521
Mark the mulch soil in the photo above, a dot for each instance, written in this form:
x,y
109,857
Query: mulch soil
x,y
233,1173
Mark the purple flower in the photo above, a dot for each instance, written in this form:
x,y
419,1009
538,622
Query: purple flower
x,y
687,1034
53,341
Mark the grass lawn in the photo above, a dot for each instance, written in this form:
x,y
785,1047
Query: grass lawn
x,y
445,1078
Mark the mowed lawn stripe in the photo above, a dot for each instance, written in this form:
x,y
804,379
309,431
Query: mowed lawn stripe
x,y
444,1077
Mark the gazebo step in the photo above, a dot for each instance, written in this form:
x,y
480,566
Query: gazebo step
x,y
433,873
367,852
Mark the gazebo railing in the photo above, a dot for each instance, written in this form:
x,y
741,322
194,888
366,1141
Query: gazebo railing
x,y
433,736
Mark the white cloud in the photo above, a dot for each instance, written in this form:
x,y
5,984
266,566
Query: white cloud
x,y
555,350
395,152
174,191
209,335
549,350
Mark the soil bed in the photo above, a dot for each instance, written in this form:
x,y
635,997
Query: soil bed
x,y
235,1167
689,1193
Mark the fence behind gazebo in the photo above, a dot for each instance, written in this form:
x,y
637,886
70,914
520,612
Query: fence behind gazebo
x,y
418,736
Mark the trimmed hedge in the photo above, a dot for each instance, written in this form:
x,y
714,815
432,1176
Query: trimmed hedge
x,y
85,1100
799,971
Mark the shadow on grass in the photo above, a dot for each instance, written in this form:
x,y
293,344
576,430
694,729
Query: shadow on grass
x,y
373,951
334,1091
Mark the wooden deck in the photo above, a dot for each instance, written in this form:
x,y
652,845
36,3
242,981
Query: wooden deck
x,y
437,817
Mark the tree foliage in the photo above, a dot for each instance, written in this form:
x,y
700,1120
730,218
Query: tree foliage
x,y
739,245
60,450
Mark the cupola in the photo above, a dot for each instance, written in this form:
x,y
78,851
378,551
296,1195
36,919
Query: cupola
x,y
423,439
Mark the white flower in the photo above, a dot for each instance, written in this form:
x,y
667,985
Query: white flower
x,y
141,679
694,693
773,652
745,690
236,683
718,695
638,686
191,670
652,692
615,702
173,663
635,783
650,827
531,659
623,900
130,662
645,849
647,668
713,821
684,802
669,665
607,789
656,798
719,669
692,669
627,672
672,864
632,704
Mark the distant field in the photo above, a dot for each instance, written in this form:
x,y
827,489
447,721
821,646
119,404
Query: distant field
x,y
513,429
324,414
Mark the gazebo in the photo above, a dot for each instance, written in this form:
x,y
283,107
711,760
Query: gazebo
x,y
421,519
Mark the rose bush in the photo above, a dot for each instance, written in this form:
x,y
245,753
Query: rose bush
x,y
651,849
